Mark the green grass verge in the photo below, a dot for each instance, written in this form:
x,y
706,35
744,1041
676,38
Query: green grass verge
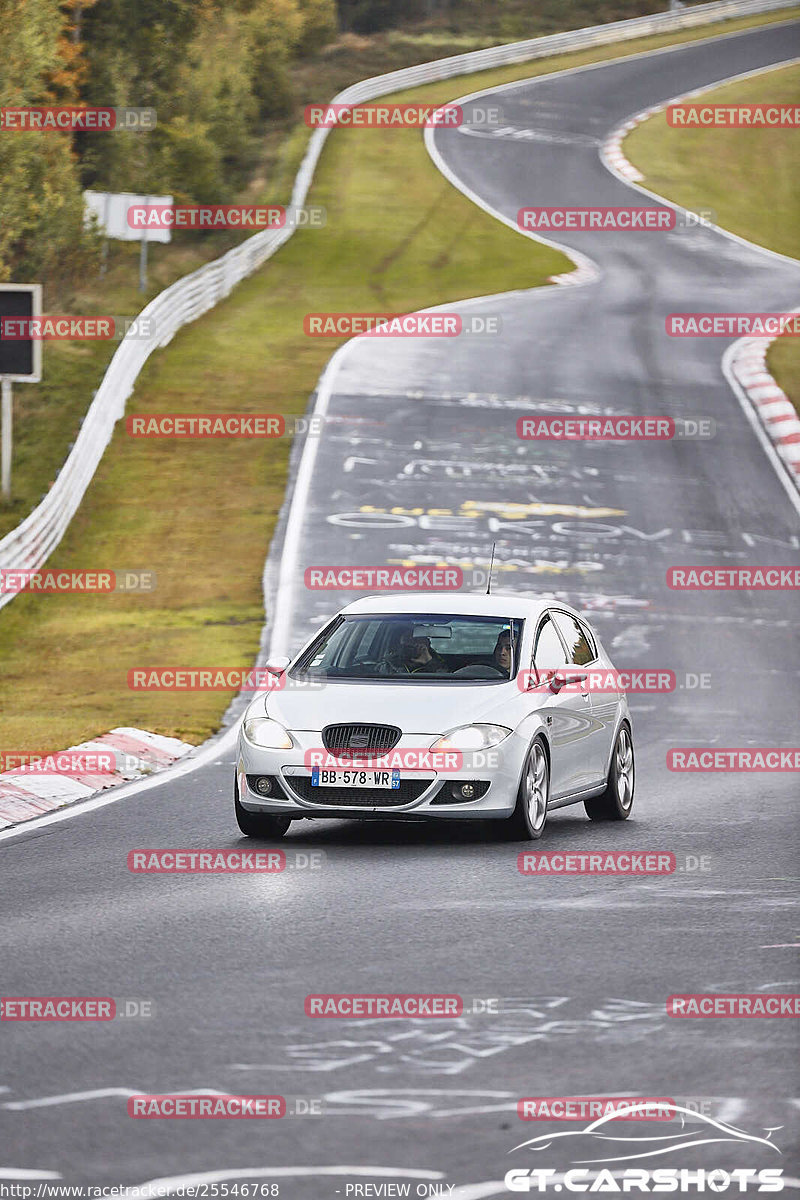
x,y
201,515
743,175
783,361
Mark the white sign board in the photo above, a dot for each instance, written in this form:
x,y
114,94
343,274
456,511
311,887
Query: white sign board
x,y
111,210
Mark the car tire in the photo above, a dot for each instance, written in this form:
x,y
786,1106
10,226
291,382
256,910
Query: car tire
x,y
258,825
528,820
616,802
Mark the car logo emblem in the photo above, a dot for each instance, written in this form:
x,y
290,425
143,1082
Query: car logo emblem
x,y
359,739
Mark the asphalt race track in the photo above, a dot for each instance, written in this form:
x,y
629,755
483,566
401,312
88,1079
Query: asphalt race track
x,y
420,462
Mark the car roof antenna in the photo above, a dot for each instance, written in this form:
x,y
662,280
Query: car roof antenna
x,y
491,565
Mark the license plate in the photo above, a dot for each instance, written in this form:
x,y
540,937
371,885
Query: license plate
x,y
355,779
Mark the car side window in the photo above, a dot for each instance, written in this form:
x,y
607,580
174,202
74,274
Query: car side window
x,y
581,651
549,652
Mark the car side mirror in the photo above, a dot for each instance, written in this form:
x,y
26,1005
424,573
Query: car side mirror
x,y
561,679
278,664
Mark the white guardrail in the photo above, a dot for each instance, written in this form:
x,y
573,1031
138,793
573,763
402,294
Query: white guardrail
x,y
31,543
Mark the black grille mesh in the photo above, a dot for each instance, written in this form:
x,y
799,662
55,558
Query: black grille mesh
x,y
374,739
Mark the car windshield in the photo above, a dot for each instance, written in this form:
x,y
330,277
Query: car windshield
x,y
435,648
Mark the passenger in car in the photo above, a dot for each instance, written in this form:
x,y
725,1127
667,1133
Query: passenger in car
x,y
501,657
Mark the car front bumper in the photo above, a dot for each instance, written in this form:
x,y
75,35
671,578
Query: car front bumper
x,y
500,767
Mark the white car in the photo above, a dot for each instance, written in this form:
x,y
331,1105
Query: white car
x,y
438,705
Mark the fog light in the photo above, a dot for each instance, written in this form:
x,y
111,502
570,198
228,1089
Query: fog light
x,y
263,785
468,791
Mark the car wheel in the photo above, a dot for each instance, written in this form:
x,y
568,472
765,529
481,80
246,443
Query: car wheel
x,y
529,817
616,802
258,825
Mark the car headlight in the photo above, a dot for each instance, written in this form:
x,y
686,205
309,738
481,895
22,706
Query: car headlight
x,y
472,737
261,731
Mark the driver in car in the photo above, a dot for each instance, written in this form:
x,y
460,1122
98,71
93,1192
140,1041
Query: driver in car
x,y
421,658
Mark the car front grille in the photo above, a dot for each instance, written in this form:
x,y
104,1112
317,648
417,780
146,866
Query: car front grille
x,y
356,741
410,789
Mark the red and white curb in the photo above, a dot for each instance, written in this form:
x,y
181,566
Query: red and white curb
x,y
611,150
26,792
748,362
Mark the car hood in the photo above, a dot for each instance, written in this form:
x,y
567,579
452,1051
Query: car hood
x,y
415,708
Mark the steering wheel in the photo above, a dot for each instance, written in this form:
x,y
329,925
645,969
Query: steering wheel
x,y
478,671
